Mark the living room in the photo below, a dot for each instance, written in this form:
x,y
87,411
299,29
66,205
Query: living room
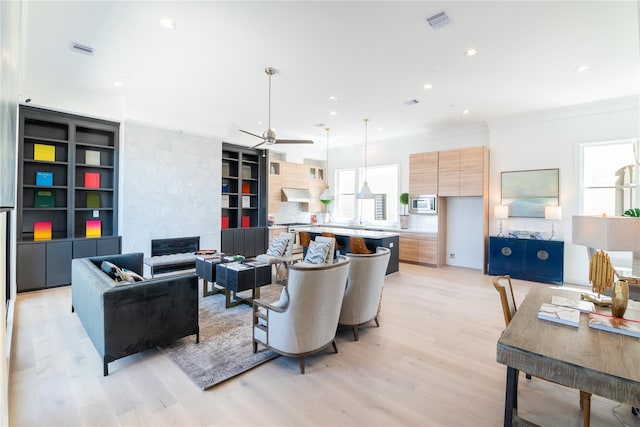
x,y
156,146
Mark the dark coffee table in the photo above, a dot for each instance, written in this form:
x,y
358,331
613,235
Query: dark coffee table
x,y
238,277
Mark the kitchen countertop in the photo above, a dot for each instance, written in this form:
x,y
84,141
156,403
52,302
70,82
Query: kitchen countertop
x,y
350,231
378,228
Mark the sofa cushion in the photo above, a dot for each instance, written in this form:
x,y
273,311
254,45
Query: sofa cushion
x,y
127,276
317,252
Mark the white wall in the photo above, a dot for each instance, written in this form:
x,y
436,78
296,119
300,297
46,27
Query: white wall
x,y
549,140
169,187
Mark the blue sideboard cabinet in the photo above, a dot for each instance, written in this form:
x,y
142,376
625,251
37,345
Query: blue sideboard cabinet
x,y
528,259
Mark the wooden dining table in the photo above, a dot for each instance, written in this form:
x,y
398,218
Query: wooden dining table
x,y
599,362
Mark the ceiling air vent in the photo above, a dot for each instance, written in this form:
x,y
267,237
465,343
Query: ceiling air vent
x,y
411,102
77,47
438,20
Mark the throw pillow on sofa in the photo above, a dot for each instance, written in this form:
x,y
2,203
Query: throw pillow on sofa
x,y
111,269
120,275
277,246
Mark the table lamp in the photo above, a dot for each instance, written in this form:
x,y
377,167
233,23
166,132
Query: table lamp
x,y
552,213
609,234
501,212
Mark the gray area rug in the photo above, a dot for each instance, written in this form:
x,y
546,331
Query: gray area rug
x,y
225,349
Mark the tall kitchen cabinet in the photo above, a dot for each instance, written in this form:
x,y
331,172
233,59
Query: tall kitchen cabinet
x,y
423,173
67,194
243,201
463,172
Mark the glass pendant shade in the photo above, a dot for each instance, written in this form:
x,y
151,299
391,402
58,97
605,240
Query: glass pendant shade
x,y
365,191
327,194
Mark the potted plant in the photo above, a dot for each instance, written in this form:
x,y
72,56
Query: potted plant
x,y
404,217
326,204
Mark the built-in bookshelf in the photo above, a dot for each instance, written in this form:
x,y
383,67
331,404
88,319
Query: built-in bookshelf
x,y
67,194
243,200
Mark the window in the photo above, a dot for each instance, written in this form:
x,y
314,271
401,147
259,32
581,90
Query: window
x,y
609,185
608,177
383,181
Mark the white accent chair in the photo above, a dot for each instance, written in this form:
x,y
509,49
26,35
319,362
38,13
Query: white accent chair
x,y
307,322
281,262
364,289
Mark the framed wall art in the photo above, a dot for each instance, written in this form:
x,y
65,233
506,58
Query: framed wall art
x,y
528,192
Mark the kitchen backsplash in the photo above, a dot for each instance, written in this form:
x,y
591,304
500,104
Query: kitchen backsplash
x,y
291,212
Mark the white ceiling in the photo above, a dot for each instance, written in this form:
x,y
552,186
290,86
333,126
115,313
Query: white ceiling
x,y
207,75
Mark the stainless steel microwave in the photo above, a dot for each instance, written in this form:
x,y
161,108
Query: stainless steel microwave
x,y
423,204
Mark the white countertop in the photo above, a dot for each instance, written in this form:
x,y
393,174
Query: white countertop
x,y
348,231
380,228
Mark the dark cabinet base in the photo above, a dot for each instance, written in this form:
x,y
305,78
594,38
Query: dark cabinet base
x,y
535,260
249,242
45,264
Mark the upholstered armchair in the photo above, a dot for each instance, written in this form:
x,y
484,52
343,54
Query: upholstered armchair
x,y
305,319
364,289
279,254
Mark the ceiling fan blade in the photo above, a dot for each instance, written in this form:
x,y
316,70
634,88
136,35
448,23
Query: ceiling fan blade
x,y
252,134
294,141
258,145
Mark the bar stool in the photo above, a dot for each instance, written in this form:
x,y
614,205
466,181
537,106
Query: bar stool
x,y
338,245
358,246
305,240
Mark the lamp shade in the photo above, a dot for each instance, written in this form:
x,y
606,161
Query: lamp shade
x,y
326,194
365,192
553,213
609,233
501,212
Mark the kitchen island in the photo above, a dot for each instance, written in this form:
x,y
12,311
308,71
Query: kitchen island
x,y
372,238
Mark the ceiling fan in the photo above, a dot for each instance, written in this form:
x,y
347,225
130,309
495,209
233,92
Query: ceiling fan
x,y
269,136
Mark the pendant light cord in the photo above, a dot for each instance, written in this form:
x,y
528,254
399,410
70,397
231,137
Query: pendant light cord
x,y
366,121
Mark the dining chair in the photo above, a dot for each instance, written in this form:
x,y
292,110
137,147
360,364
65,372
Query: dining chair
x,y
509,308
305,239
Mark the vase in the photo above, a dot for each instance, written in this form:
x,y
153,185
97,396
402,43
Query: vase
x,y
404,221
619,298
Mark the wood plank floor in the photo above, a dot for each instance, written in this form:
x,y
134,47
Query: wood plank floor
x,y
431,363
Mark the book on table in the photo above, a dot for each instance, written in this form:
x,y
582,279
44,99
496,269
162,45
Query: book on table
x,y
583,306
617,325
559,314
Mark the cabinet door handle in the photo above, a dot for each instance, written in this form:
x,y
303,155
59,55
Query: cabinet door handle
x,y
542,255
506,251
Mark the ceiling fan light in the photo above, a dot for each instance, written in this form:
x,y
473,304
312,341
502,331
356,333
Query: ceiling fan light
x,y
365,192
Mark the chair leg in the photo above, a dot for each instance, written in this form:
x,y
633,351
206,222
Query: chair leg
x,y
302,364
377,321
585,405
255,347
355,333
105,368
335,347
528,376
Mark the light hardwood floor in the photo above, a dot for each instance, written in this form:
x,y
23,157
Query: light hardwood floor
x,y
431,363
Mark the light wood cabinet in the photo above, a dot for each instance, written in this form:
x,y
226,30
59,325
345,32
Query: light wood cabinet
x,y
423,173
315,175
419,247
274,202
294,175
463,172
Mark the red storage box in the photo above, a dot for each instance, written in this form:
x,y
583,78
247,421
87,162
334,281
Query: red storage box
x,y
225,222
246,222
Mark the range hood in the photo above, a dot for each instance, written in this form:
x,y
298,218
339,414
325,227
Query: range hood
x,y
301,195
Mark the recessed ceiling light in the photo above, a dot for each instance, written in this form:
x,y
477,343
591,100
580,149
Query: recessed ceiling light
x,y
582,68
332,113
470,52
169,24
427,86
117,84
333,98
379,129
259,122
465,112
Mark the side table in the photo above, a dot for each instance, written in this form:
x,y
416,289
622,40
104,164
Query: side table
x,y
236,277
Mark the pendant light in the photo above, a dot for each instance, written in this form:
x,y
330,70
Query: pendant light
x,y
365,191
327,194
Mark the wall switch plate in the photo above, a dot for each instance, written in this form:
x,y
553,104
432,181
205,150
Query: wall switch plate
x,y
452,255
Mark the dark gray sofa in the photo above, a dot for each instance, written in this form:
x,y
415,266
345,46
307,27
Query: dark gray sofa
x,y
125,319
